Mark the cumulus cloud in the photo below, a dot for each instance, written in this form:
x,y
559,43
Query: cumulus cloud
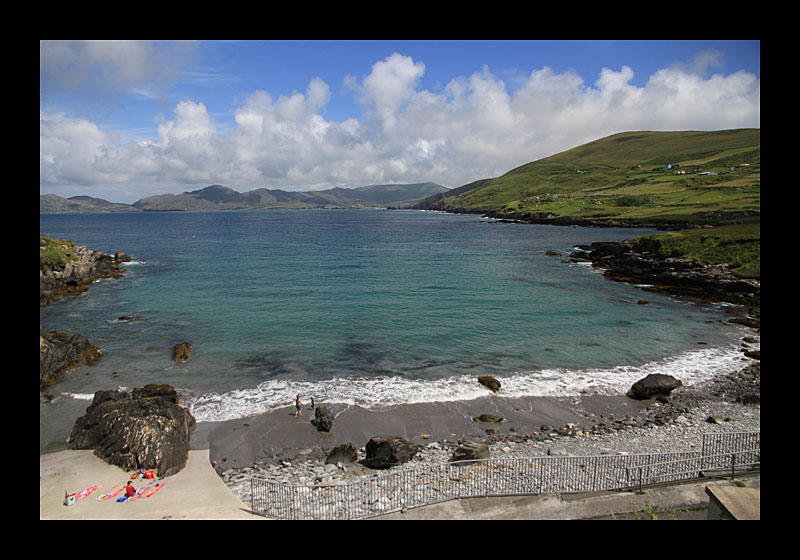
x,y
69,149
474,127
389,87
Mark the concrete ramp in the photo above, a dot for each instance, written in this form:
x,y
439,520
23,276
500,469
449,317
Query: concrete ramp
x,y
197,492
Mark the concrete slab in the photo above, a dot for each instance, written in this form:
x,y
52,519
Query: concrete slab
x,y
197,492
733,502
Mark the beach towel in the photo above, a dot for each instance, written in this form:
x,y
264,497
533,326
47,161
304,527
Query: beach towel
x,y
83,493
140,493
111,493
155,489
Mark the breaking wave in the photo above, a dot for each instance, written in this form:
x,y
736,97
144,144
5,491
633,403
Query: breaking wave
x,y
691,368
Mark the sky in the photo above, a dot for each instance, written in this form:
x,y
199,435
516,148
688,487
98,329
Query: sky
x,y
122,120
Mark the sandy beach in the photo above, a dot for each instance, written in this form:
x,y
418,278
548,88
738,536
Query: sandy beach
x,y
197,492
279,434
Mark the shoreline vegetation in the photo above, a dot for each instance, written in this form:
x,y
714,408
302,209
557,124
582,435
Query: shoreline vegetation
x,y
711,255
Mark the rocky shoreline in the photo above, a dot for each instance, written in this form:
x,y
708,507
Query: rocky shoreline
x,y
686,279
75,277
661,426
59,351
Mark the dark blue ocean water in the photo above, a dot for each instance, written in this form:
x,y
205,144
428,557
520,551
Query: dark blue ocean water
x,y
365,306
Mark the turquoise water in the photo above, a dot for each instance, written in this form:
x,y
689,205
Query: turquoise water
x,y
365,306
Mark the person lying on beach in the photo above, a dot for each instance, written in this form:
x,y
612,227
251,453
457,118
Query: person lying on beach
x,y
297,405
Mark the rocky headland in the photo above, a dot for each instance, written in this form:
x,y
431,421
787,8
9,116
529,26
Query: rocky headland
x,y
81,268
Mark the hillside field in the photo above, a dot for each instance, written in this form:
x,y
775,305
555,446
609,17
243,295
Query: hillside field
x,y
653,178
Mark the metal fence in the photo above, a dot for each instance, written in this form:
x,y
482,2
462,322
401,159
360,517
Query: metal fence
x,y
432,484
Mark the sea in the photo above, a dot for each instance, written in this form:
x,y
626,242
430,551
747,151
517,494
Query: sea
x,y
373,308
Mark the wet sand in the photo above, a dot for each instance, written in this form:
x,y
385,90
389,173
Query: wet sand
x,y
281,435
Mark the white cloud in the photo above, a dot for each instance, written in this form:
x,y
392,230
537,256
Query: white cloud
x,y
69,149
475,127
109,68
390,85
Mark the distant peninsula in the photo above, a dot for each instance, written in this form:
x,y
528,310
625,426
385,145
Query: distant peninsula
x,y
218,197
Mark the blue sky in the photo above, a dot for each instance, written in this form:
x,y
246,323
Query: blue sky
x,y
122,120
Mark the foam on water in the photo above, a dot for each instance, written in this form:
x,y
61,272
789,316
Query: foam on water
x,y
79,396
87,396
691,368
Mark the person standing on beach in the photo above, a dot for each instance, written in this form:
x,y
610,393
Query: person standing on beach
x,y
297,405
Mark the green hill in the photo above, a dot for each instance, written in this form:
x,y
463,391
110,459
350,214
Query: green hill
x,y
632,178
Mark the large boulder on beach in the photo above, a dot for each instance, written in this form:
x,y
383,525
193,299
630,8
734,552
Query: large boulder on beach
x,y
653,385
323,419
145,428
384,452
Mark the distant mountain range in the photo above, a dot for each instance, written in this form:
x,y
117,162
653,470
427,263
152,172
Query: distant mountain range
x,y
218,197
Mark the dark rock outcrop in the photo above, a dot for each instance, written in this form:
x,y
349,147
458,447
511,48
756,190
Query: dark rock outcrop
x,y
384,452
323,419
653,385
146,429
77,275
59,351
685,278
489,382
